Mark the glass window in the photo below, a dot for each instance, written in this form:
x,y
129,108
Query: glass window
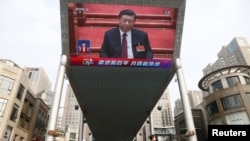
x,y
247,79
232,46
72,135
232,80
21,121
248,96
237,118
30,74
14,113
15,137
212,108
217,85
3,103
20,92
241,42
6,84
29,109
216,121
7,133
232,102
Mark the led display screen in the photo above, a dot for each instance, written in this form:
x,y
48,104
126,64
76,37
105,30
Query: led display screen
x,y
89,22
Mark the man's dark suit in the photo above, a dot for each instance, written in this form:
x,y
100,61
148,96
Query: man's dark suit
x,y
111,46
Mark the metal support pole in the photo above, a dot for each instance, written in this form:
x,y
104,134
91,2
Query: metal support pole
x,y
56,100
91,137
151,124
81,126
191,133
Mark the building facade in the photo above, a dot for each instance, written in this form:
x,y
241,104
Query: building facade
x,y
227,100
237,52
25,121
160,120
73,118
225,88
23,115
162,112
39,121
195,98
225,84
39,80
199,123
13,89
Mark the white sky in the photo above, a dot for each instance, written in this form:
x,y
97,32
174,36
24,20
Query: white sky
x,y
30,34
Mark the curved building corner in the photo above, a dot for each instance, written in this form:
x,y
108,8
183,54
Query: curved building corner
x,y
227,95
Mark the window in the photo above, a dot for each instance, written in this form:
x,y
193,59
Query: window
x,y
21,121
237,118
241,42
15,137
24,122
30,110
248,96
212,108
216,121
232,102
20,92
232,46
247,79
7,133
6,84
232,81
217,85
72,135
3,103
30,74
14,113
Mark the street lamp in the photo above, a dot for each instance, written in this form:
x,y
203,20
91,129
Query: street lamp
x,y
56,100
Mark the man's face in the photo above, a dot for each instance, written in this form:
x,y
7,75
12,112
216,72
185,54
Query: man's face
x,y
126,22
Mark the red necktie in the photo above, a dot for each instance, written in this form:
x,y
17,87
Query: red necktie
x,y
124,53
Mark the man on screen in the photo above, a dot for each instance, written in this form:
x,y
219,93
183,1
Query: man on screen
x,y
83,46
135,44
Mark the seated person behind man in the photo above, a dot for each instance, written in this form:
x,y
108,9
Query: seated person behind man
x,y
138,45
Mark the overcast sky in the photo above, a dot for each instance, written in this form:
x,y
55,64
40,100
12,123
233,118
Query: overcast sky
x,y
30,34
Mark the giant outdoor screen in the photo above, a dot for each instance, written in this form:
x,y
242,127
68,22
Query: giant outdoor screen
x,y
88,23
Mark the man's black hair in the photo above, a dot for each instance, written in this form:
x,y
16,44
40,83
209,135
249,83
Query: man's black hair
x,y
127,12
